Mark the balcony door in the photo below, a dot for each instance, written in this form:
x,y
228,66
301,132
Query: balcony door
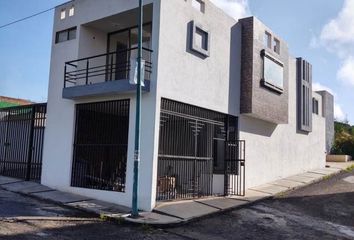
x,y
124,45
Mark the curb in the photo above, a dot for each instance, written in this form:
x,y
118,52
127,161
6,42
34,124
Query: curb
x,y
124,218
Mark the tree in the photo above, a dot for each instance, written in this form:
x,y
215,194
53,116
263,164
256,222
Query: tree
x,y
344,139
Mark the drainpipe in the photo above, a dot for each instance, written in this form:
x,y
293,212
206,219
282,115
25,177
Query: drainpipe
x,y
135,211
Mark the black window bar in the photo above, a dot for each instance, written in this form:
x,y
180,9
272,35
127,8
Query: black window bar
x,y
234,179
187,149
21,141
104,67
100,146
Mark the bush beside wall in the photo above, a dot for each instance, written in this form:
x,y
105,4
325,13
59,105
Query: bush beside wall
x,y
344,139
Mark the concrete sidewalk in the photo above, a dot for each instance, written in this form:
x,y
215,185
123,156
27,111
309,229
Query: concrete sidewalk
x,y
170,213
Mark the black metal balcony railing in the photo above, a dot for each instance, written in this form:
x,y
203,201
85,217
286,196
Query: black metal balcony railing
x,y
104,67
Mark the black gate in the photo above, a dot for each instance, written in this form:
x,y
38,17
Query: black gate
x,y
185,163
21,141
191,149
234,178
100,146
194,144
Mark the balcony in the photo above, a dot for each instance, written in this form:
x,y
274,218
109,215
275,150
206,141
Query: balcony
x,y
105,74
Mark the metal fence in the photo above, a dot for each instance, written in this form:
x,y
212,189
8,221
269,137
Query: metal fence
x,y
21,141
235,168
185,160
100,146
104,67
194,144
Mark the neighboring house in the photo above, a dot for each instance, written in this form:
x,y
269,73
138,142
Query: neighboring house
x,y
22,125
224,106
11,102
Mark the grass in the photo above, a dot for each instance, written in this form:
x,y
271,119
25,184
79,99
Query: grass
x,y
327,177
350,168
104,217
281,194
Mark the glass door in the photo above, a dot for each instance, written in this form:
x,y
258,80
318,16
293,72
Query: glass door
x,y
124,44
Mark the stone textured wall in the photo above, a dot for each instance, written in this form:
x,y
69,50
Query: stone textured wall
x,y
256,100
246,65
328,114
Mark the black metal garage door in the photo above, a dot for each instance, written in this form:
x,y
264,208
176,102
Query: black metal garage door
x,y
21,141
185,160
100,146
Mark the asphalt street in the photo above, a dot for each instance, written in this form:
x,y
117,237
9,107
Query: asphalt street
x,y
323,210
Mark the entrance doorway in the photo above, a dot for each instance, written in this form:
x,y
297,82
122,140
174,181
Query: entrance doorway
x,y
100,145
192,148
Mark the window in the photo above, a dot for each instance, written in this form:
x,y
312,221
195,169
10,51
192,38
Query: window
x,y
65,35
314,106
199,40
267,41
305,100
62,14
272,73
71,33
276,46
199,5
71,11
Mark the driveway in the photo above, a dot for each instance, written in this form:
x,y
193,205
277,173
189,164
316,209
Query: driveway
x,y
323,210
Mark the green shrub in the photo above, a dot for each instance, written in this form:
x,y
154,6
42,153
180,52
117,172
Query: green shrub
x,y
344,139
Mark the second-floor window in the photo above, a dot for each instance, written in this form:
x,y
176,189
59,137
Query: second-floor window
x,y
200,40
199,5
276,46
267,40
71,11
65,35
315,106
62,14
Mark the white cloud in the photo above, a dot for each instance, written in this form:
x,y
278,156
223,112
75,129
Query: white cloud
x,y
339,114
346,72
235,8
338,34
316,86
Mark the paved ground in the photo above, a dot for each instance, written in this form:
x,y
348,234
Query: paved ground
x,y
23,218
323,210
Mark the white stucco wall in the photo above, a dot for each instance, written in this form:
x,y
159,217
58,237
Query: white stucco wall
x,y
59,135
277,151
189,78
272,151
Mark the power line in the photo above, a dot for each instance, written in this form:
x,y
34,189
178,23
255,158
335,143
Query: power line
x,y
22,19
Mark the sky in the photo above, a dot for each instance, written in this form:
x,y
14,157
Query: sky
x,y
321,31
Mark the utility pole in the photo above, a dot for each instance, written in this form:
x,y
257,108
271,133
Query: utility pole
x,y
135,211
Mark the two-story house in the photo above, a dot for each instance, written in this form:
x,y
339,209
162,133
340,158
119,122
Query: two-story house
x,y
224,106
